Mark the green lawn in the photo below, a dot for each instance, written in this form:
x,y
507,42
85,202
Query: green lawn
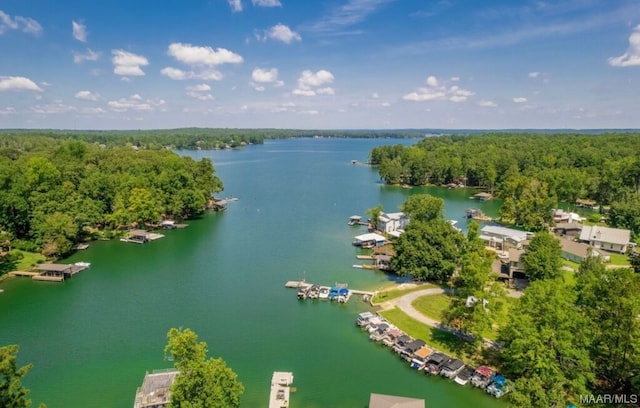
x,y
571,264
29,259
619,259
433,306
569,277
388,294
441,340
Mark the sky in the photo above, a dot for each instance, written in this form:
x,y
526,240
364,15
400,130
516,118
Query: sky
x,y
320,64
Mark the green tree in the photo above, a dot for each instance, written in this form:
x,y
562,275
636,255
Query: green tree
x,y
12,393
609,298
374,214
542,259
202,382
546,346
428,250
423,207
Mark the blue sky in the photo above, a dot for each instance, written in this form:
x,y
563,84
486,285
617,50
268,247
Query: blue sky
x,y
146,64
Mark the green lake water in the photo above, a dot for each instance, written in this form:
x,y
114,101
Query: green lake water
x,y
92,338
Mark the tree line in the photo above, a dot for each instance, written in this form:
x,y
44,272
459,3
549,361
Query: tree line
x,y
55,196
531,172
180,139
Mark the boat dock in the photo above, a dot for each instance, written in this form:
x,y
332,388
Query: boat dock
x,y
280,389
52,272
303,284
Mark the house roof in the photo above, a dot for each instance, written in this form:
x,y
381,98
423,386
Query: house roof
x,y
495,230
138,232
605,234
576,248
54,267
386,217
393,401
515,254
370,237
569,226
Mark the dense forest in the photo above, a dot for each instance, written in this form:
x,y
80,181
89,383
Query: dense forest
x,y
181,139
53,195
531,172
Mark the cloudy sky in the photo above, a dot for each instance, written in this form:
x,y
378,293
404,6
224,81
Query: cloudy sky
x,y
148,64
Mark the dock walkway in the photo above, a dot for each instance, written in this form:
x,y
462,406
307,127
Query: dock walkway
x,y
280,389
299,284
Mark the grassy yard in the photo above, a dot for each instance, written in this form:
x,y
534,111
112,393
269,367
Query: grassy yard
x,y
388,294
441,340
619,259
571,264
433,306
29,259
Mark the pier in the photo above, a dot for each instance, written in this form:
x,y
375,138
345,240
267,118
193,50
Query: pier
x,y
303,284
52,272
280,389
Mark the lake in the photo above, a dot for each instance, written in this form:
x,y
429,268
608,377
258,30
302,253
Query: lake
x,y
92,338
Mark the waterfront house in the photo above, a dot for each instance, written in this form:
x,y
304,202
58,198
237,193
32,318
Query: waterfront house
x,y
389,222
155,391
609,239
393,401
502,238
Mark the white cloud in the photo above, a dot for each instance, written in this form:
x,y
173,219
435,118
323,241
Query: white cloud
x,y
519,99
267,3
24,24
127,63
341,17
632,56
198,88
309,112
385,104
89,55
432,81
179,75
435,91
8,111
264,75
236,5
375,95
87,95
487,104
309,80
18,83
455,79
79,31
200,96
424,94
534,74
198,56
53,108
134,102
281,32
457,94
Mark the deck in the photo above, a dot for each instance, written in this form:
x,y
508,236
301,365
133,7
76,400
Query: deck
x,y
280,389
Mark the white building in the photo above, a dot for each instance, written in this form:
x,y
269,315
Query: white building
x,y
502,238
388,222
609,239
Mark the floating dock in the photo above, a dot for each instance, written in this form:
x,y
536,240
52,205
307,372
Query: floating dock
x,y
280,389
302,284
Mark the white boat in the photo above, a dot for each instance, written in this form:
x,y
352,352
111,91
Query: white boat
x,y
324,293
83,264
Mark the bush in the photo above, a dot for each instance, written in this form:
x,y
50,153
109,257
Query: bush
x,y
24,245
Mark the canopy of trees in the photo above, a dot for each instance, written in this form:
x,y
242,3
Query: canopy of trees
x,y
430,247
50,196
531,172
542,259
202,382
12,393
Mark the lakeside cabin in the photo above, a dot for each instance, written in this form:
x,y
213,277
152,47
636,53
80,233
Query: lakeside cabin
x,y
155,391
369,240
